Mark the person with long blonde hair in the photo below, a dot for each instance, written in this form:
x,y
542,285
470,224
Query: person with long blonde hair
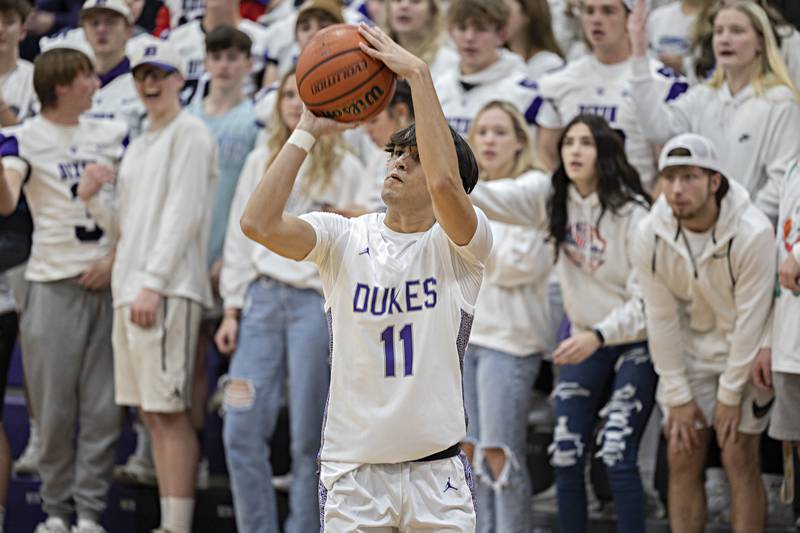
x,y
275,327
418,26
748,108
510,333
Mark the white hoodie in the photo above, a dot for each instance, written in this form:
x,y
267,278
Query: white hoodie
x,y
755,136
243,260
463,95
512,314
594,266
706,315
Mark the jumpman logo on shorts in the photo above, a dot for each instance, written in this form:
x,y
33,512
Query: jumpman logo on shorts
x,y
448,486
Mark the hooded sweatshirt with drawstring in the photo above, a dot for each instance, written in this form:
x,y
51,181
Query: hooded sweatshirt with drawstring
x,y
706,313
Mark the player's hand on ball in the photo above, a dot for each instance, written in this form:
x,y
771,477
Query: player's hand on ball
x,y
383,48
319,126
226,335
637,28
576,349
143,310
789,274
94,176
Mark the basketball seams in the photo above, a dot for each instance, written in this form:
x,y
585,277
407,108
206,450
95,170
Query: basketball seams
x,y
351,91
318,65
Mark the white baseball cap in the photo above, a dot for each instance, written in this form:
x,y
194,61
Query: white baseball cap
x,y
702,153
117,6
67,43
159,54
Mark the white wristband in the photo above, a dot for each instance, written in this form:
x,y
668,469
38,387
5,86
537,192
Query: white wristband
x,y
302,139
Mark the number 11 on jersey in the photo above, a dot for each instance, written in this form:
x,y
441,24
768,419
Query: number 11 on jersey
x,y
406,339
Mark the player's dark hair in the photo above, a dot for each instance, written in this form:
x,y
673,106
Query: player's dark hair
x,y
467,166
724,186
618,182
224,38
22,8
402,95
59,66
479,12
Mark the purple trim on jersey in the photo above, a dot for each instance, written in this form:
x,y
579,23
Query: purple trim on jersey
x,y
9,146
470,479
464,329
323,499
677,89
329,316
533,110
123,67
363,10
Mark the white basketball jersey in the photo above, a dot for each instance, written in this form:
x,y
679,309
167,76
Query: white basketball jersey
x,y
116,99
16,86
588,86
189,41
51,158
400,308
463,95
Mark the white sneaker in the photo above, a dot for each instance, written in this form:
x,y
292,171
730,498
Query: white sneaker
x,y
28,463
87,526
282,483
203,474
52,525
137,471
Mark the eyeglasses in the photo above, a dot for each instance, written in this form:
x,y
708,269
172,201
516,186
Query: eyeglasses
x,y
141,74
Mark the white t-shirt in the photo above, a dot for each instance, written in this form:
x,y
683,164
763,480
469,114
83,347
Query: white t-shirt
x,y
588,86
163,212
542,63
670,30
16,86
189,41
400,308
785,333
51,158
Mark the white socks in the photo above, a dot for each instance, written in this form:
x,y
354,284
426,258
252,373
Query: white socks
x,y
178,516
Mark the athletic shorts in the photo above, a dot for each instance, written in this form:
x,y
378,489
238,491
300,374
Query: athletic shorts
x,y
785,421
153,367
412,496
755,403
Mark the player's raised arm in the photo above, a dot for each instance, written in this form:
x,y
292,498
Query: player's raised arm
x,y
264,219
437,153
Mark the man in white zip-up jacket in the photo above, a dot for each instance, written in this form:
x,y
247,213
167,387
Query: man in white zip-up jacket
x,y
705,262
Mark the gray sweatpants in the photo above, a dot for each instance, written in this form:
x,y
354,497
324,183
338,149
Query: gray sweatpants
x,y
68,360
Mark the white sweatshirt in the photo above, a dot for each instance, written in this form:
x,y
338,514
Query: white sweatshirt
x,y
755,136
706,314
512,314
163,211
588,86
785,333
594,266
244,260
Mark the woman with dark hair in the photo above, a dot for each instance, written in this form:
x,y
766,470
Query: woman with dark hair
x,y
591,208
530,35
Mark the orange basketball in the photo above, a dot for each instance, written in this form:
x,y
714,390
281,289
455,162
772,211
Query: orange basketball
x,y
337,80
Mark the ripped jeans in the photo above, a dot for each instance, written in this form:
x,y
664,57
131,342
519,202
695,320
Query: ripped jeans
x,y
619,381
497,395
283,344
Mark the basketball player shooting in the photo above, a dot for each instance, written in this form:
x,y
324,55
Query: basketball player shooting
x,y
400,289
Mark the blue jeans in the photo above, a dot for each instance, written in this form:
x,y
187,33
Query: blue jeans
x,y
283,340
623,376
497,395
